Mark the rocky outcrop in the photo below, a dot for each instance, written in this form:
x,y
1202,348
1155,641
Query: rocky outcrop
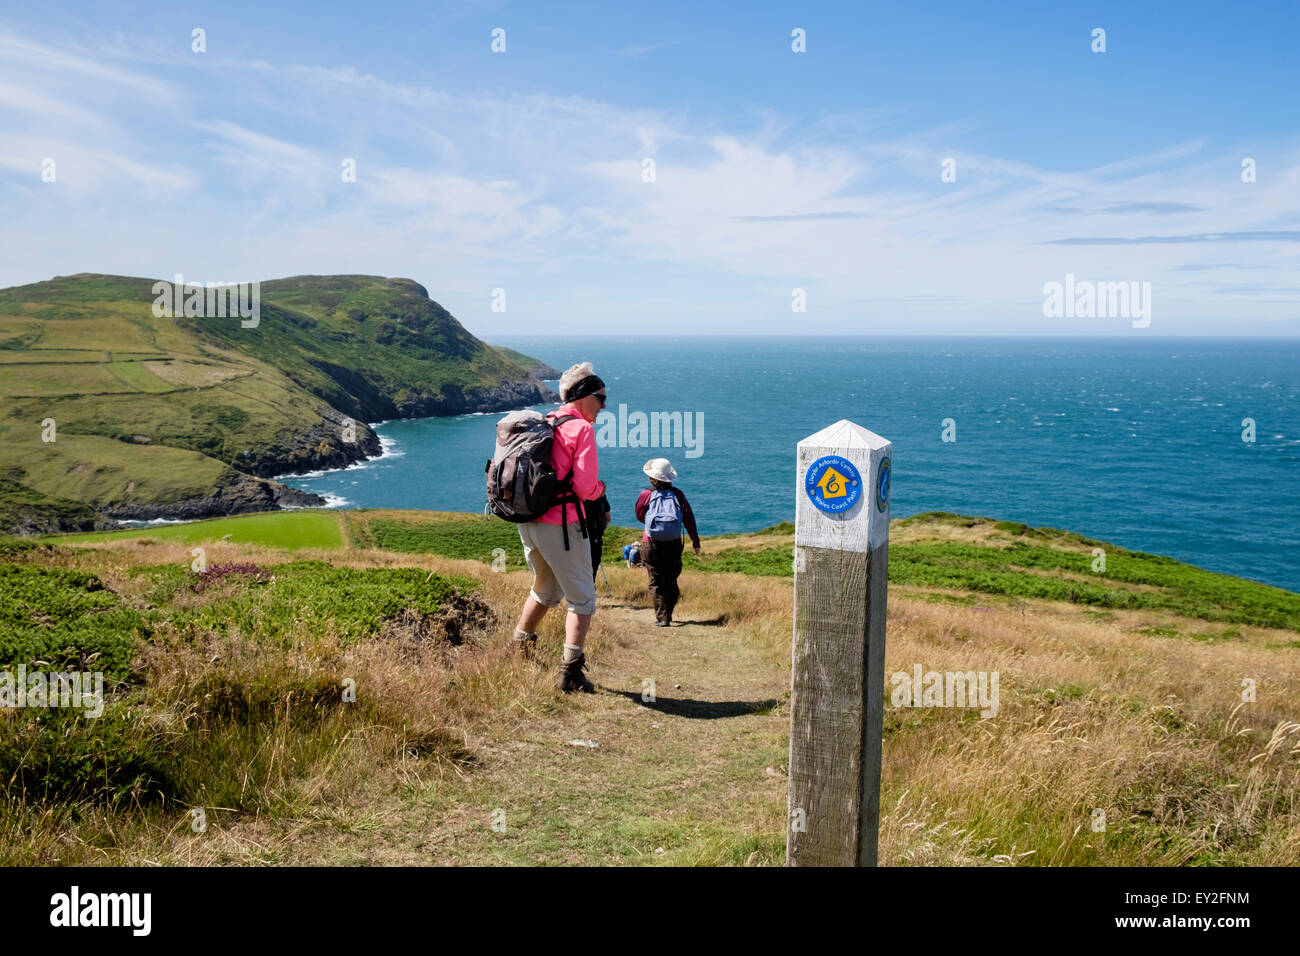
x,y
25,511
499,398
548,372
239,497
338,441
325,446
365,399
32,520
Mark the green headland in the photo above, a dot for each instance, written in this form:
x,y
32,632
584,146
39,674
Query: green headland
x,y
112,412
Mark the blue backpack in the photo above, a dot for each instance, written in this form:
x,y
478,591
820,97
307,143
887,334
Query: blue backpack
x,y
663,516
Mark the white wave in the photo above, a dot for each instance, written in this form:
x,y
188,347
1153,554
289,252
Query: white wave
x,y
387,449
133,523
331,501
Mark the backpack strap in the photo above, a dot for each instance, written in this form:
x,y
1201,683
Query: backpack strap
x,y
566,488
555,424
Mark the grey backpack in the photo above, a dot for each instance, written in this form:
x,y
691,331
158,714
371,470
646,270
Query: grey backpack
x,y
521,483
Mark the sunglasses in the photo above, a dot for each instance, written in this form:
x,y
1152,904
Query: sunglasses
x,y
601,396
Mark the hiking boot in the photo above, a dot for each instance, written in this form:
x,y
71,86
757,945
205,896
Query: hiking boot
x,y
571,677
662,624
522,647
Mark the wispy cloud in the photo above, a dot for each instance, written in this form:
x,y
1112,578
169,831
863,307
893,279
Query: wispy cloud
x,y
71,64
1256,289
806,217
27,100
1260,236
1209,266
249,150
1158,208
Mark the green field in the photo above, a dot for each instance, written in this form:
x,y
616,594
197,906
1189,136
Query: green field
x,y
469,536
277,529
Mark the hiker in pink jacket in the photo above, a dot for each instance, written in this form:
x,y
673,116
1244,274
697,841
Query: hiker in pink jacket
x,y
556,545
666,513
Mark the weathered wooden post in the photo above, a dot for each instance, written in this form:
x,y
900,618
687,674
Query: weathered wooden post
x,y
841,558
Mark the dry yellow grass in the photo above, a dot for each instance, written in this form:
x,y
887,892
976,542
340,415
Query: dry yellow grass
x,y
196,374
1094,716
1151,731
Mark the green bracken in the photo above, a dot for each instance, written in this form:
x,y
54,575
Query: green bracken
x,y
150,746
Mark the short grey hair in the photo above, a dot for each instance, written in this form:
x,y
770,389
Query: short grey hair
x,y
572,376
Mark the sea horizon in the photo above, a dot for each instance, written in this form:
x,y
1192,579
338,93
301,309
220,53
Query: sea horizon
x,y
504,337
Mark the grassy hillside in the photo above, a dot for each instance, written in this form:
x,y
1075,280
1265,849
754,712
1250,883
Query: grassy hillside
x,y
227,697
947,557
539,369
980,559
150,412
373,348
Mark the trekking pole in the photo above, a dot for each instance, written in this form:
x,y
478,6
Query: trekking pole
x,y
608,589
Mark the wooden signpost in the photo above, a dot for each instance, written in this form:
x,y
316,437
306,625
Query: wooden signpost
x,y
841,557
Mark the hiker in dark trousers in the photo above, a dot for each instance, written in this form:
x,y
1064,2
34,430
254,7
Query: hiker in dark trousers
x,y
597,522
666,512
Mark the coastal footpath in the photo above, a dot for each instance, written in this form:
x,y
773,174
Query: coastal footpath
x,y
1153,697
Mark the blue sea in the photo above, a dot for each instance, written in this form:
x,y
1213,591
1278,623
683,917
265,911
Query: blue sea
x,y
1137,441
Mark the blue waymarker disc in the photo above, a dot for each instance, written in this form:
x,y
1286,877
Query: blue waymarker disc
x,y
833,484
882,486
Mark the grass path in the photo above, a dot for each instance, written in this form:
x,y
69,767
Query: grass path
x,y
694,777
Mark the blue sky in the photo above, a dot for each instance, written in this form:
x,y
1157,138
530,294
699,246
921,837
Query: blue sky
x,y
774,170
